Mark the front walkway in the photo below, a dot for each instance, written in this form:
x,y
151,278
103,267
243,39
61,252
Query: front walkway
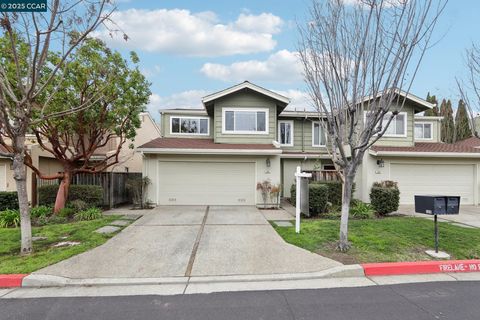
x,y
179,241
469,216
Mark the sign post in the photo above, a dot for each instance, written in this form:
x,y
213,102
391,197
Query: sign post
x,y
299,175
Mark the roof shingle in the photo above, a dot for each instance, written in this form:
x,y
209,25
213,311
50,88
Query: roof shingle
x,y
187,143
430,147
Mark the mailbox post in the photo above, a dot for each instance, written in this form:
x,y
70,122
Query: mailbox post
x,y
437,205
299,175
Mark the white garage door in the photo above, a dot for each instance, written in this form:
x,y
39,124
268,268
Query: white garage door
x,y
206,183
442,179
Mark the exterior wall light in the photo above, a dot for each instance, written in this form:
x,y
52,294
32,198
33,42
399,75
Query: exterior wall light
x,y
380,163
267,163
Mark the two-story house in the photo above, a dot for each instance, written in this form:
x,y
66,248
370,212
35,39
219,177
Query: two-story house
x,y
244,135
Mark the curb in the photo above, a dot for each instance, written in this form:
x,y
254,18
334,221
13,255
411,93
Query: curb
x,y
420,267
11,280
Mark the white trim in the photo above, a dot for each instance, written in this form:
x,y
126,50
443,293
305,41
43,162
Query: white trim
x,y
425,154
300,114
313,139
428,118
291,122
303,156
4,176
267,120
423,123
193,112
189,134
241,86
409,96
210,151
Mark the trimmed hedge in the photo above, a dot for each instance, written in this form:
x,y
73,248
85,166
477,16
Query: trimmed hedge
x,y
8,200
385,197
92,195
317,198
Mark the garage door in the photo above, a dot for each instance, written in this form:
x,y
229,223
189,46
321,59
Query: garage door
x,y
206,183
433,179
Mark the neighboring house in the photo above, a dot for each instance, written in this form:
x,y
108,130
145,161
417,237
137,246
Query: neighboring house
x,y
130,160
244,135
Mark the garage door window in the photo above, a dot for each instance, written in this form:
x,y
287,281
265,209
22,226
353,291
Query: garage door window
x,y
190,126
245,121
423,131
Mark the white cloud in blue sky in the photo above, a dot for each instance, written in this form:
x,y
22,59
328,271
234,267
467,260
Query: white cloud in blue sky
x,y
182,32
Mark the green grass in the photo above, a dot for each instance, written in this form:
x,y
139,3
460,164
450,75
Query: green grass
x,y
44,254
384,240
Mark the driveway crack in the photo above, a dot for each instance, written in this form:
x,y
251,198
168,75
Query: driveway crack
x,y
188,272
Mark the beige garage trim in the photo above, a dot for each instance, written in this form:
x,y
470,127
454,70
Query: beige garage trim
x,y
206,183
444,179
3,177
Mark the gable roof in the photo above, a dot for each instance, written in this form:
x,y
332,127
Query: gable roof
x,y
469,142
420,103
245,85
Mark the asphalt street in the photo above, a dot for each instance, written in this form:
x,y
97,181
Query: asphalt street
x,y
437,300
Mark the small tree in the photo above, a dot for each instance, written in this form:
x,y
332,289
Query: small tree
x,y
356,59
434,111
110,93
462,123
265,189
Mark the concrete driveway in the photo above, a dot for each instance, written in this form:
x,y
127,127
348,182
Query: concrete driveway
x,y
469,216
178,241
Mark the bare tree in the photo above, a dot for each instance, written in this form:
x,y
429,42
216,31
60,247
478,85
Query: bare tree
x,y
469,88
357,59
23,82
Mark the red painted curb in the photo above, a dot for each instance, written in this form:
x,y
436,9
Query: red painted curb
x,y
11,280
420,267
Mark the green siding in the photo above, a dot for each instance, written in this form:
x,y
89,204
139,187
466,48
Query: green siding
x,y
245,100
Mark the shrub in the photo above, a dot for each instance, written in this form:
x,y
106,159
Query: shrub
x,y
334,191
385,197
89,214
317,198
8,200
40,211
56,219
361,210
78,205
92,195
9,218
66,212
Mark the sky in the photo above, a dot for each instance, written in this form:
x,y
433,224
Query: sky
x,y
189,49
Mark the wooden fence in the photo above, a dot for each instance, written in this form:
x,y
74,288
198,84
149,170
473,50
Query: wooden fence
x,y
113,184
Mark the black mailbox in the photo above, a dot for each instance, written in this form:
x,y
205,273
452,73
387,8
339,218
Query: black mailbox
x,y
437,204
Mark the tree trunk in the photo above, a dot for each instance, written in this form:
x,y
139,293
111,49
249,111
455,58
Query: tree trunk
x,y
20,176
62,193
343,244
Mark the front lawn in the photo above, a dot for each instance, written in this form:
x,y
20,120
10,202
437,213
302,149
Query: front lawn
x,y
44,252
384,240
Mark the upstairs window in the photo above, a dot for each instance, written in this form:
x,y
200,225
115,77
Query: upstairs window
x,y
245,121
423,131
285,133
318,135
189,125
397,127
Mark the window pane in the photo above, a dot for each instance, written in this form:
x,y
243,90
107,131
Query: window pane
x,y
204,126
427,131
261,121
322,136
190,125
229,121
175,125
245,121
285,133
316,134
418,131
400,124
391,126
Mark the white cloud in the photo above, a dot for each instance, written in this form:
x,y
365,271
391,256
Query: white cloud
x,y
182,32
299,100
282,66
190,99
264,23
